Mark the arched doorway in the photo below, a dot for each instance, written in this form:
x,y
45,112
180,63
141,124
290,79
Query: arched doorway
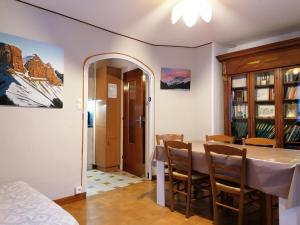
x,y
149,132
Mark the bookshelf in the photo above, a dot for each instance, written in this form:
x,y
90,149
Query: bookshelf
x,y
239,106
265,104
267,101
291,116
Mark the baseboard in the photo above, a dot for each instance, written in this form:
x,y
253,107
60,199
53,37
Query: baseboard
x,y
70,199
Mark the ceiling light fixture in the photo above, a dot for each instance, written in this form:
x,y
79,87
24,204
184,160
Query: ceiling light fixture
x,y
189,10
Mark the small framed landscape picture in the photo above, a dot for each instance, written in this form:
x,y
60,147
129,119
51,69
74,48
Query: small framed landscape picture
x,y
175,78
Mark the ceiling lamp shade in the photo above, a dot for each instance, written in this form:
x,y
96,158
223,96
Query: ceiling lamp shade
x,y
190,10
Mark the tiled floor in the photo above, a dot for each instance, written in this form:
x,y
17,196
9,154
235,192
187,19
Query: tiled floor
x,y
99,181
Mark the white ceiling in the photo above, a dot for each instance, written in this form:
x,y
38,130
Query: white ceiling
x,y
234,21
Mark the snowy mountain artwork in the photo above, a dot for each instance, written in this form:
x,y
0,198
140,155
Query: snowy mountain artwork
x,y
31,73
175,78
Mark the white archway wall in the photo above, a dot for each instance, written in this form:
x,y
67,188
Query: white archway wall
x,y
47,144
149,108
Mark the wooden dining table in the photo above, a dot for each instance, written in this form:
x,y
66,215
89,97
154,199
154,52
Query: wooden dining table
x,y
274,171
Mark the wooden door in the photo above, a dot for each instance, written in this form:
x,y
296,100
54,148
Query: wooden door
x,y
134,128
113,115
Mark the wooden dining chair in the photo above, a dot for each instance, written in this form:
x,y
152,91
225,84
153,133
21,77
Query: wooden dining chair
x,y
263,142
219,138
179,156
227,169
160,138
271,202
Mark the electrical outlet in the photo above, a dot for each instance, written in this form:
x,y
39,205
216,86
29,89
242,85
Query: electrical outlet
x,y
78,190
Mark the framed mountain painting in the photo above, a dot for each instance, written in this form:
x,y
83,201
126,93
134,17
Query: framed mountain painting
x,y
31,73
175,78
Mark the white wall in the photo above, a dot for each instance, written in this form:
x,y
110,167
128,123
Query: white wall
x,y
263,41
191,108
217,90
43,146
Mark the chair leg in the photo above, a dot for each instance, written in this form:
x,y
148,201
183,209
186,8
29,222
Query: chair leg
x,y
241,210
215,213
188,200
268,199
171,195
241,216
211,207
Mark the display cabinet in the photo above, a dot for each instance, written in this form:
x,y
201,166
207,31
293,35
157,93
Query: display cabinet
x,y
261,93
291,117
239,106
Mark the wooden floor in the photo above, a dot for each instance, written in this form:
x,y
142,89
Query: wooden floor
x,y
136,205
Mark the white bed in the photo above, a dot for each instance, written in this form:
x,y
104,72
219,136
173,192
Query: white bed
x,y
20,204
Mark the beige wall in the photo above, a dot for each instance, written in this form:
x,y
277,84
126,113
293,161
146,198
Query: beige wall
x,y
43,146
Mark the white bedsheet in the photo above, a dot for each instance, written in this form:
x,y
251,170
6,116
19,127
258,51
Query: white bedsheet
x,y
22,205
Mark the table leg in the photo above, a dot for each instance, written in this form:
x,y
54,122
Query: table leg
x,y
160,183
268,203
288,216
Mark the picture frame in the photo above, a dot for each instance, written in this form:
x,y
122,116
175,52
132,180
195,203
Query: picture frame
x,y
173,78
266,111
32,75
262,94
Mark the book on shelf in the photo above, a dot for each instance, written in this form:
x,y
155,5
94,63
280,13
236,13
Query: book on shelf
x,y
292,93
292,75
239,82
265,78
265,94
291,110
271,94
239,96
265,130
292,133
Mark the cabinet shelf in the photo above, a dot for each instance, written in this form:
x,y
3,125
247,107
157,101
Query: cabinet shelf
x,y
264,86
291,118
291,83
240,119
239,88
262,118
292,142
265,101
291,100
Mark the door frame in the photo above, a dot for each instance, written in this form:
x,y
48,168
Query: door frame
x,y
149,123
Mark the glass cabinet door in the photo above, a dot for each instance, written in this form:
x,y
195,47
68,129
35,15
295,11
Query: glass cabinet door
x,y
265,104
291,115
239,106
